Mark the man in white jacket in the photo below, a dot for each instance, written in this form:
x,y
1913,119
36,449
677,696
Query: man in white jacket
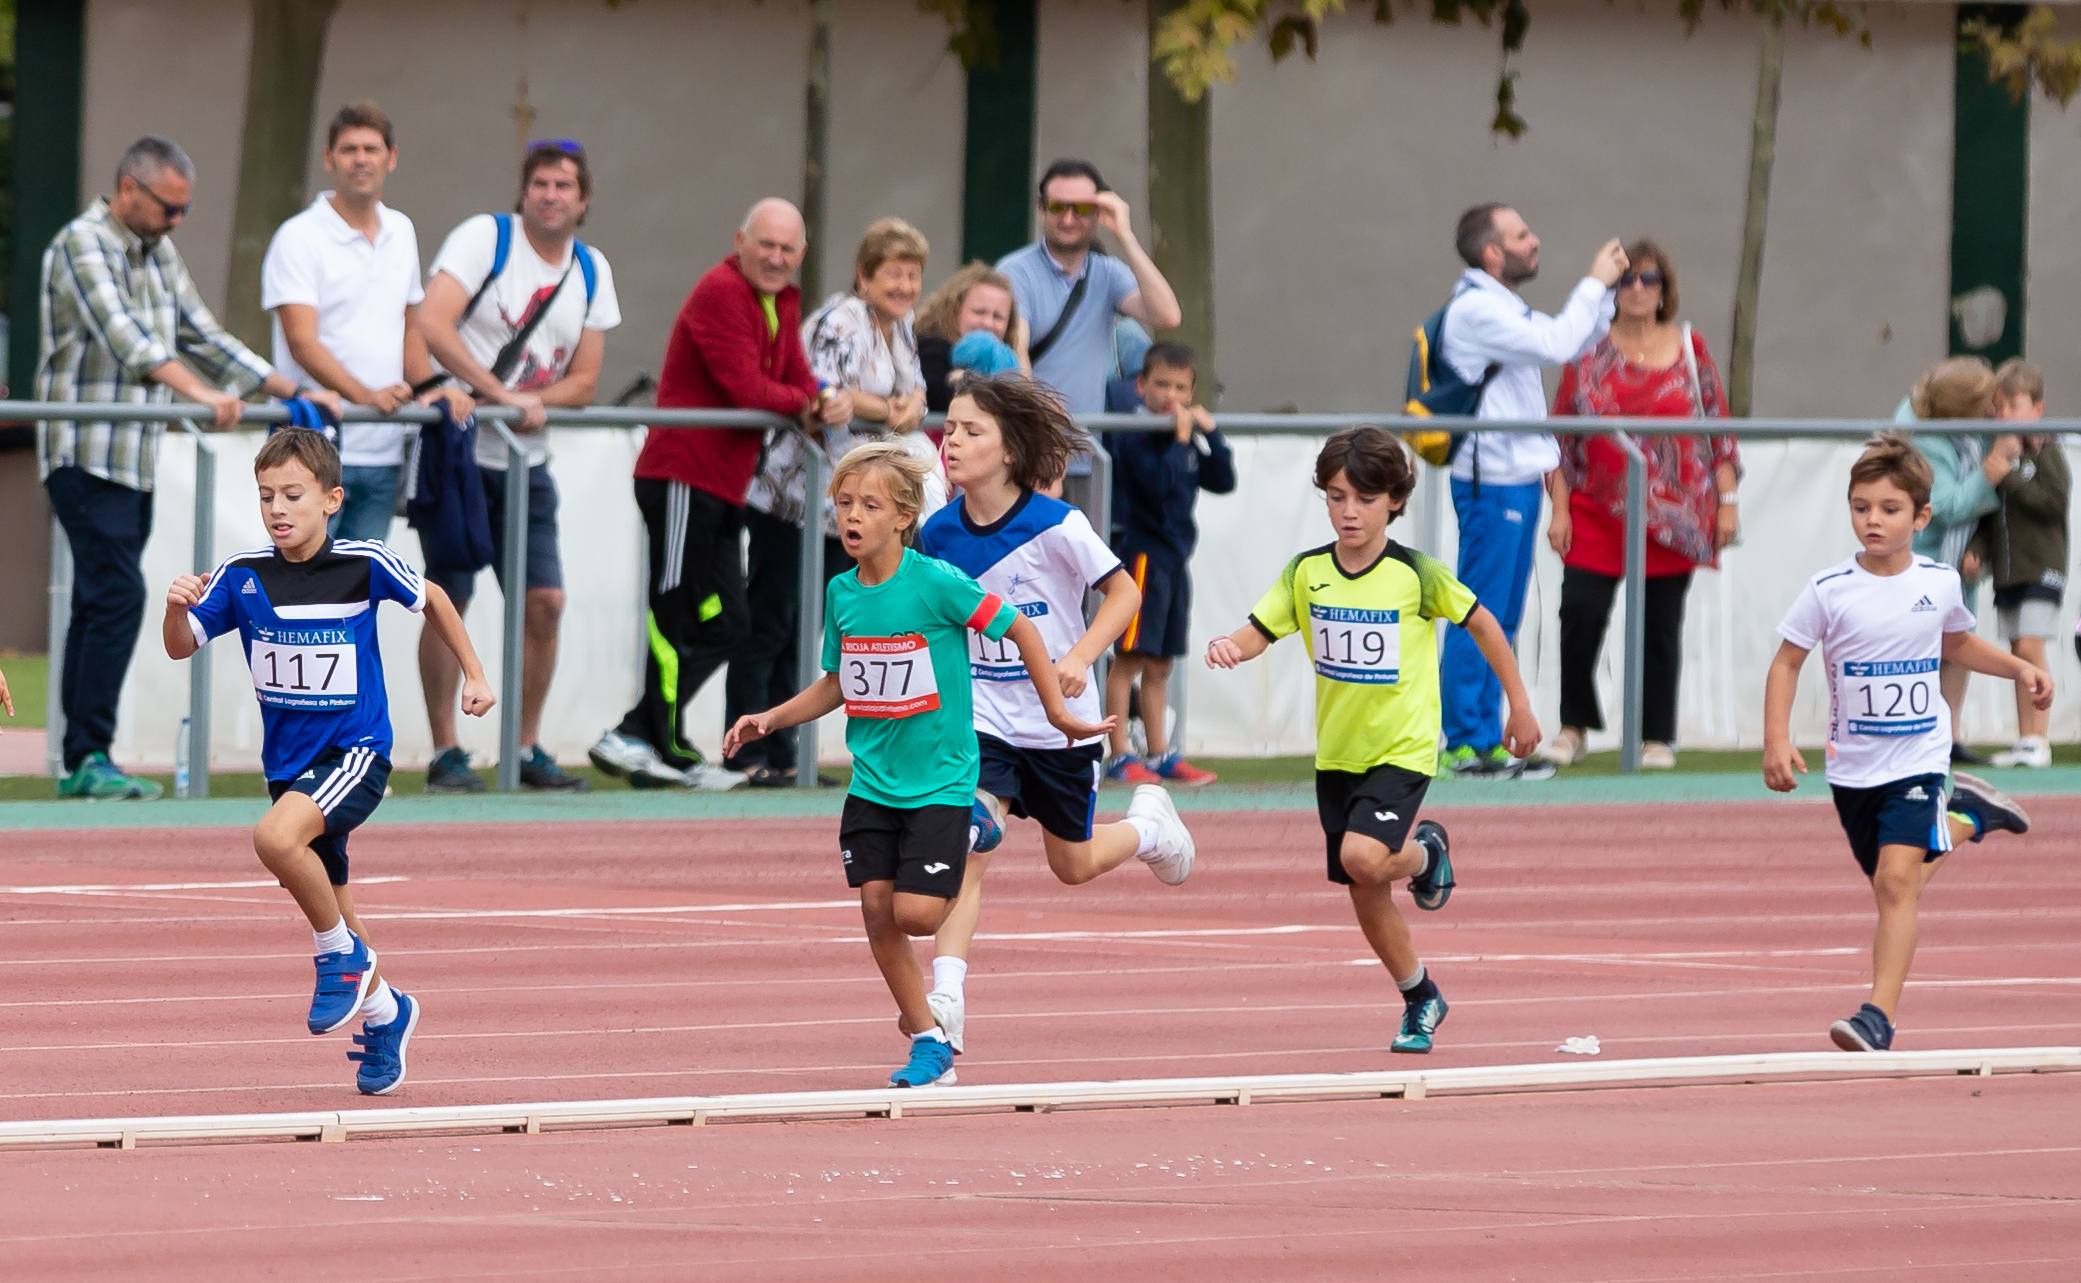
x,y
1498,477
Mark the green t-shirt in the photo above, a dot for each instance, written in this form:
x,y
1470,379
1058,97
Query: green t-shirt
x,y
900,650
1375,652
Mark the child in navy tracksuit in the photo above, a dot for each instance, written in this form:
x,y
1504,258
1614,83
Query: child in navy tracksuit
x,y
1157,477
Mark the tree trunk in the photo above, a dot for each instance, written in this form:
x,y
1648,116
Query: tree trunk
x,y
281,94
1748,279
1181,209
816,147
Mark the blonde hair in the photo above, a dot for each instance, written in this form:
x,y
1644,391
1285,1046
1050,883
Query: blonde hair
x,y
887,239
1957,387
939,316
2017,377
902,473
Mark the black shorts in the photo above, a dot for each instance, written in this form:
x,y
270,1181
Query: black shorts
x,y
1907,812
1381,804
1056,788
1161,627
346,783
923,850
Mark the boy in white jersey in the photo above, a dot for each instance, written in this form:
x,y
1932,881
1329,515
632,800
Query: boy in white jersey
x,y
1885,620
1005,438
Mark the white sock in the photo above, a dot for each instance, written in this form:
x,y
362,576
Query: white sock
x,y
1406,985
948,973
1144,833
381,1006
933,1033
337,940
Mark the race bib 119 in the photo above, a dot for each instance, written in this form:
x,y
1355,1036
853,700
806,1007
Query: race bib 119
x,y
1890,697
887,676
290,676
1353,645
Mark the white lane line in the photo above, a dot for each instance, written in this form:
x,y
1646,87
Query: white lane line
x,y
1806,1034
118,888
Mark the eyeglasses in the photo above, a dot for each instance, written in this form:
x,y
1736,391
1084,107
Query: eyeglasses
x,y
568,146
1081,208
1645,280
172,210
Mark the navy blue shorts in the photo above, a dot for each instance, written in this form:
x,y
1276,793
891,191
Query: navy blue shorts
x,y
1056,788
545,561
346,783
1380,804
923,850
1161,628
1907,812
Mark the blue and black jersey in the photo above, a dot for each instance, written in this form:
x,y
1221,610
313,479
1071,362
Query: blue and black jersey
x,y
309,632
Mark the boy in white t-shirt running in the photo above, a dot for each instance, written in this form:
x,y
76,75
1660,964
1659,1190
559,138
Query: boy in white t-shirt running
x,y
1885,620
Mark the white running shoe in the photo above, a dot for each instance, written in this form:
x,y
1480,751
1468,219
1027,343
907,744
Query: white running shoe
x,y
709,778
627,758
2033,753
1171,858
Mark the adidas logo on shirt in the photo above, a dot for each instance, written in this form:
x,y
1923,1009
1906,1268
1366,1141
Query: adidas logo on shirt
x,y
1922,605
248,587
1916,794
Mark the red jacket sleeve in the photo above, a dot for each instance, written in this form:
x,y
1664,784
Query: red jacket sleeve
x,y
728,344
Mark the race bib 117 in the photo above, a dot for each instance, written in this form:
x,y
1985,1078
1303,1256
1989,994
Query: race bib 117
x,y
291,676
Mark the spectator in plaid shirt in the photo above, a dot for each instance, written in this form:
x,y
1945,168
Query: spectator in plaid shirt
x,y
119,315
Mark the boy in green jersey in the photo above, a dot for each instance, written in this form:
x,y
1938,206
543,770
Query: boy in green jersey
x,y
896,658
1365,605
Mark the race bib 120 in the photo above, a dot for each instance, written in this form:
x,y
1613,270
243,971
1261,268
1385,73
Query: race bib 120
x,y
1353,645
887,676
291,676
1890,697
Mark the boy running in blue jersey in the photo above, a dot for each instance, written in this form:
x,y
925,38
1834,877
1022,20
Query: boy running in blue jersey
x,y
896,658
1005,438
1365,607
305,611
1886,620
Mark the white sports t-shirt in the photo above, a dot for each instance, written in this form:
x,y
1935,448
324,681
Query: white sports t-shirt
x,y
1882,638
1041,558
526,283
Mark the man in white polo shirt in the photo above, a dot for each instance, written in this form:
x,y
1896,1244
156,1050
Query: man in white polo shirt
x,y
342,279
1497,477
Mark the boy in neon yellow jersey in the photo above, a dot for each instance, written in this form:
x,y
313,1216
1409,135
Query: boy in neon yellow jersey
x,y
1365,605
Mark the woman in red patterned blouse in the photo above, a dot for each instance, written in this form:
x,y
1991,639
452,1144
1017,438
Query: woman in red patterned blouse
x,y
1649,366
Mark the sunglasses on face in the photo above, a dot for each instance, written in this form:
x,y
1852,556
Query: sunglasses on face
x,y
568,146
1645,280
171,210
1081,208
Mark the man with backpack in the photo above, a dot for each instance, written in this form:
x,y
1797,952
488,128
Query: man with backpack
x,y
1489,347
517,308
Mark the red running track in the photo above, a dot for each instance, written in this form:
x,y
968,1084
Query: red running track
x,y
588,961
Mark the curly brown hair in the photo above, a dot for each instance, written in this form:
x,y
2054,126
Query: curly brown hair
x,y
940,313
1039,436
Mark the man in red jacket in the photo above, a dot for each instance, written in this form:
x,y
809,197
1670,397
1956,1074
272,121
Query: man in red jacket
x,y
737,345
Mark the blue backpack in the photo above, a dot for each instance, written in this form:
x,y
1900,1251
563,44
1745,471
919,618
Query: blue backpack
x,y
1435,388
503,250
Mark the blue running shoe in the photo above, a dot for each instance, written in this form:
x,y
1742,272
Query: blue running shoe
x,y
931,1064
1419,1021
1433,887
984,832
383,1055
343,985
1868,1030
1995,811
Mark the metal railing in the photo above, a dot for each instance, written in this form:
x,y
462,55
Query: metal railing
x,y
808,656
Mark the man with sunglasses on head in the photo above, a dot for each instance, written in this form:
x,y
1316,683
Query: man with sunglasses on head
x,y
122,321
1070,294
517,309
1492,337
